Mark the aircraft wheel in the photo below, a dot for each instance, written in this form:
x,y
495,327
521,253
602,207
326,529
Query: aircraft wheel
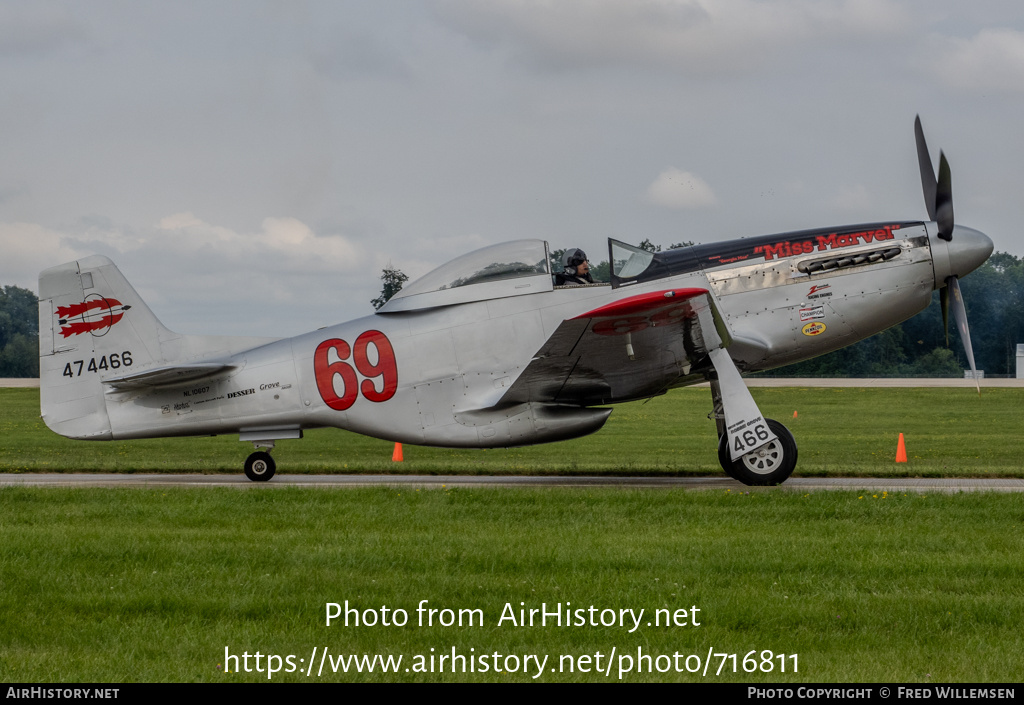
x,y
769,465
723,459
260,467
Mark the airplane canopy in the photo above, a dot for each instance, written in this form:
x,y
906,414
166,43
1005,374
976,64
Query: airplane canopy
x,y
506,269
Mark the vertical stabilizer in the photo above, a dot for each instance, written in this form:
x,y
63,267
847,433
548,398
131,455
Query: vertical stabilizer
x,y
92,325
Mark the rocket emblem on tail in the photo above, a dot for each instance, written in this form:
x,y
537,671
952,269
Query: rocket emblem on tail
x,y
95,315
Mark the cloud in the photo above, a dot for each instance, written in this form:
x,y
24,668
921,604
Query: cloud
x,y
282,278
690,36
9,193
991,60
36,29
852,198
349,55
27,250
675,188
288,242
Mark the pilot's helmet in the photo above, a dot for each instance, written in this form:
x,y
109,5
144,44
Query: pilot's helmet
x,y
572,259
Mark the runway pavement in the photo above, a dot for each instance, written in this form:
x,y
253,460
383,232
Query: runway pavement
x,y
794,484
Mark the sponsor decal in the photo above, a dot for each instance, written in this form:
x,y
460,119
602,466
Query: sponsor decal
x,y
95,315
811,314
819,292
179,406
813,329
824,243
719,259
272,385
241,393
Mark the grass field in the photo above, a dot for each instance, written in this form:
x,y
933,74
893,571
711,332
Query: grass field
x,y
839,431
152,585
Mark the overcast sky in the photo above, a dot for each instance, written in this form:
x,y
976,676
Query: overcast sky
x,y
251,166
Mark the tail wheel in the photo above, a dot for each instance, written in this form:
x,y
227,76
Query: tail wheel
x,y
770,464
260,467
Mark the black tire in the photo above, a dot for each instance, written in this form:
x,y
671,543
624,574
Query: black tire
x,y
260,467
723,458
770,465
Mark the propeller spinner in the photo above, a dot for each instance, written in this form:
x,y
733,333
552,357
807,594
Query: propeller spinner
x,y
956,250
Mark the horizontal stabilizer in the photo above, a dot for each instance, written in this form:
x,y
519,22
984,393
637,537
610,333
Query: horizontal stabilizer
x,y
168,376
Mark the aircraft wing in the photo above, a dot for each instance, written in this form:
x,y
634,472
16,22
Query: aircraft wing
x,y
633,348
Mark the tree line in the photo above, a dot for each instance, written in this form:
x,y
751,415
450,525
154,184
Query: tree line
x,y
19,332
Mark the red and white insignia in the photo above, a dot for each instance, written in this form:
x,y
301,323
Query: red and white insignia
x,y
94,315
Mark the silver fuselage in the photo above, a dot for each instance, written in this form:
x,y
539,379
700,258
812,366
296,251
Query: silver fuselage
x,y
454,363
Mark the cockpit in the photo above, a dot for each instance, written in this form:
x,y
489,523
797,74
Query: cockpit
x,y
506,269
523,267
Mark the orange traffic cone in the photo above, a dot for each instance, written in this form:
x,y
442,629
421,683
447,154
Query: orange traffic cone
x,y
901,451
794,413
396,457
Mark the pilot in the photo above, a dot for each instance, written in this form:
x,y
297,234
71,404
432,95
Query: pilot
x,y
575,268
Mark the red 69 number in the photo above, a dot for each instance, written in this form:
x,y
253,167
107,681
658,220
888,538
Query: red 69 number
x,y
328,367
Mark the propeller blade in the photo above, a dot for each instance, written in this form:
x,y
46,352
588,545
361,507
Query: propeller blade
x,y
928,183
944,300
960,315
944,200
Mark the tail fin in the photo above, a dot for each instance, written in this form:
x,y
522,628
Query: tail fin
x,y
91,323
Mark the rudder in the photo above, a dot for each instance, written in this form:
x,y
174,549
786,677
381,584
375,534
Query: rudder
x,y
92,323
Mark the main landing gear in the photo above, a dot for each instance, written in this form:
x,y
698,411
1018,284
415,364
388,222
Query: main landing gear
x,y
751,449
260,467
